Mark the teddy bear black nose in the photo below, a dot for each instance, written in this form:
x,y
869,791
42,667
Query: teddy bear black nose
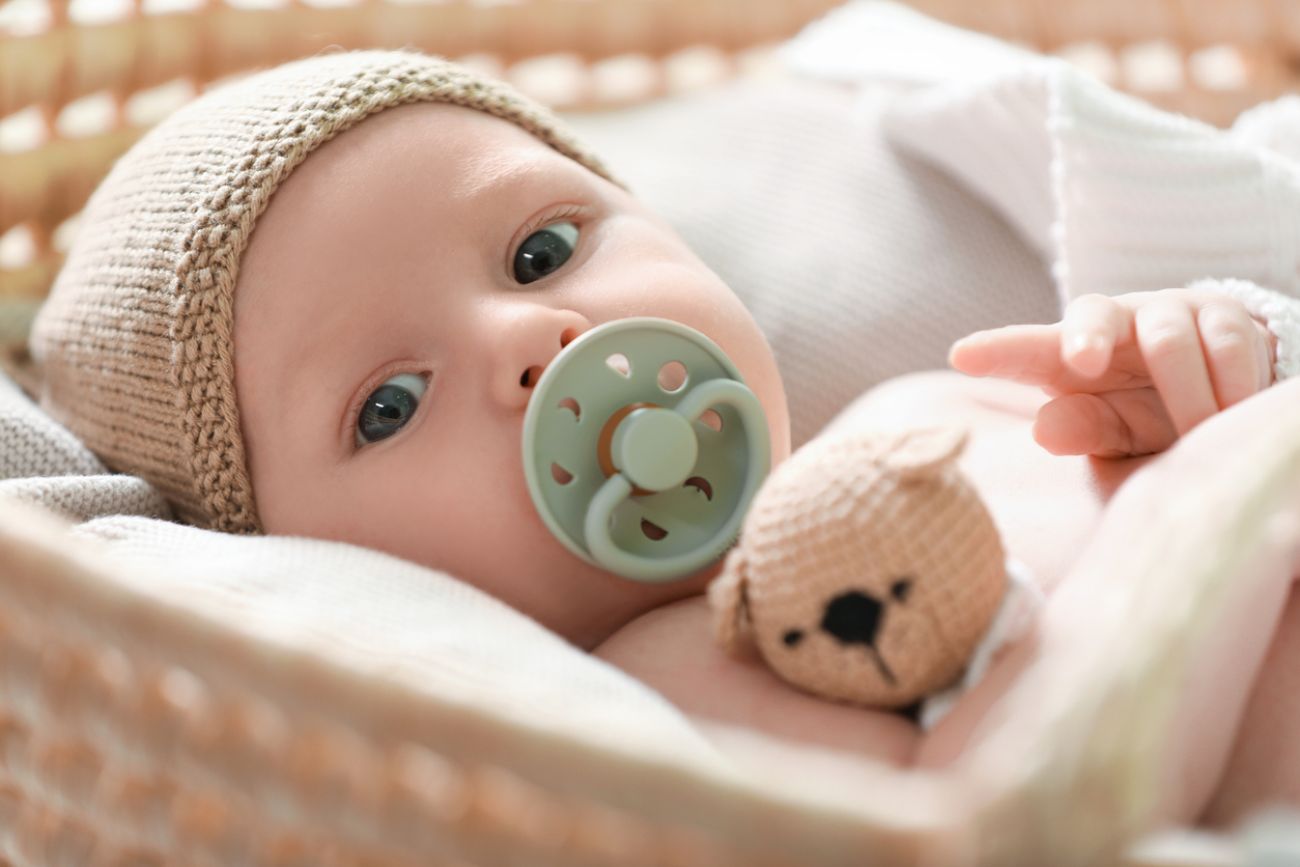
x,y
853,618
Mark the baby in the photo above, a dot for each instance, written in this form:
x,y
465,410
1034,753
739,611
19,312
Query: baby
x,y
294,322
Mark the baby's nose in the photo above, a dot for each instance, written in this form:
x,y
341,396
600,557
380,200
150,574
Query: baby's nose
x,y
527,345
531,374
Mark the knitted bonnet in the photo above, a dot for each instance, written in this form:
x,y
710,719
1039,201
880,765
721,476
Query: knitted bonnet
x,y
135,340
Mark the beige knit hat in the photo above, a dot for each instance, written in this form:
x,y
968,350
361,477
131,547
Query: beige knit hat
x,y
135,339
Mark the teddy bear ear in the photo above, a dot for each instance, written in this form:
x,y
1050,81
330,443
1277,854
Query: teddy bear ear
x,y
923,452
729,600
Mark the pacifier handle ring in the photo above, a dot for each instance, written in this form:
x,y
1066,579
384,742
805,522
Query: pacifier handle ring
x,y
617,488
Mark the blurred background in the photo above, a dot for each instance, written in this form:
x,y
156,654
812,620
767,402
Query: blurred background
x,y
81,79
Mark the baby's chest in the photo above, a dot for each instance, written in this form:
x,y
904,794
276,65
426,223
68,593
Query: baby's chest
x,y
1045,506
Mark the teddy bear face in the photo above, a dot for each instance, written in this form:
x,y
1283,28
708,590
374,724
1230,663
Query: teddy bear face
x,y
868,569
892,608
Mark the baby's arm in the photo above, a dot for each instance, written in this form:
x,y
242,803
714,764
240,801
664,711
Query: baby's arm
x,y
1132,373
672,650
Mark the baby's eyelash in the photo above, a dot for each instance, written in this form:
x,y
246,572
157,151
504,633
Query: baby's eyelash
x,y
561,212
353,413
568,211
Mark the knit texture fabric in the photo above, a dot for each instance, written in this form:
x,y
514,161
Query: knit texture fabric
x,y
84,498
868,568
32,445
1119,196
1115,194
135,339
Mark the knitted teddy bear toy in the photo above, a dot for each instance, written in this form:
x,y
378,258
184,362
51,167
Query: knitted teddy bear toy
x,y
868,569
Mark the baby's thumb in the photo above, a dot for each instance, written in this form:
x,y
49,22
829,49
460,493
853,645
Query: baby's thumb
x,y
1112,424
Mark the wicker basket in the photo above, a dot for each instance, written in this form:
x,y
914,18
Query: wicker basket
x,y
139,728
76,91
1208,58
79,82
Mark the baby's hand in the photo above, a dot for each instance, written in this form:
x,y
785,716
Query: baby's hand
x,y
1130,373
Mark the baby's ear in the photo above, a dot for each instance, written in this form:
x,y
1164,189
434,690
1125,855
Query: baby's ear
x,y
923,452
730,603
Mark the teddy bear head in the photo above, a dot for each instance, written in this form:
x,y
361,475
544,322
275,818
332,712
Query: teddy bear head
x,y
867,570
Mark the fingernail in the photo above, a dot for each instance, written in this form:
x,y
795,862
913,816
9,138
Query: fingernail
x,y
1087,354
1081,343
964,364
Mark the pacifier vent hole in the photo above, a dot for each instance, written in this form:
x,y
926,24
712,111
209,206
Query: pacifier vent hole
x,y
711,419
652,531
619,364
572,406
672,376
560,474
701,484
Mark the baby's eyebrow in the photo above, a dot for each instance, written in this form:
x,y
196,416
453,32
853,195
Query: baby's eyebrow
x,y
494,175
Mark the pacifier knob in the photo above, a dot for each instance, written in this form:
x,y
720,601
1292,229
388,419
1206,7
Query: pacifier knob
x,y
655,448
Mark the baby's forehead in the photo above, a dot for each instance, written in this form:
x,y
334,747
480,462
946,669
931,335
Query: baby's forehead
x,y
407,163
405,181
460,145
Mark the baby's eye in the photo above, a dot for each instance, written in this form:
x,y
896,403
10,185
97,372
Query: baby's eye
x,y
389,407
544,251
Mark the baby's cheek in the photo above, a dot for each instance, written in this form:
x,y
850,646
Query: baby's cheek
x,y
475,520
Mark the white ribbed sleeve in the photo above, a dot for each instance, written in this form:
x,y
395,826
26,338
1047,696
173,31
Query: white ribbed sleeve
x,y
1119,196
1281,313
1122,197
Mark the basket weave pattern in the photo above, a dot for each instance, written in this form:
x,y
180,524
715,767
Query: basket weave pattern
x,y
53,62
328,773
568,53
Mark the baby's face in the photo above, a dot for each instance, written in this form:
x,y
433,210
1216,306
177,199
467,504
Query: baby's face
x,y
397,302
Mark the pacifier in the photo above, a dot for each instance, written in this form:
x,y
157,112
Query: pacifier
x,y
643,448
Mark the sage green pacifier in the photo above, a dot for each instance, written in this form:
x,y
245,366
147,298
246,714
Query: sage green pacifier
x,y
643,448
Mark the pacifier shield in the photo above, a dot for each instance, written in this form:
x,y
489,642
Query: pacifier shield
x,y
643,448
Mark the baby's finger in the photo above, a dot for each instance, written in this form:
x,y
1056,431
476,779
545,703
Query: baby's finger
x,y
1171,348
1115,424
1025,353
1090,328
1267,354
1231,342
